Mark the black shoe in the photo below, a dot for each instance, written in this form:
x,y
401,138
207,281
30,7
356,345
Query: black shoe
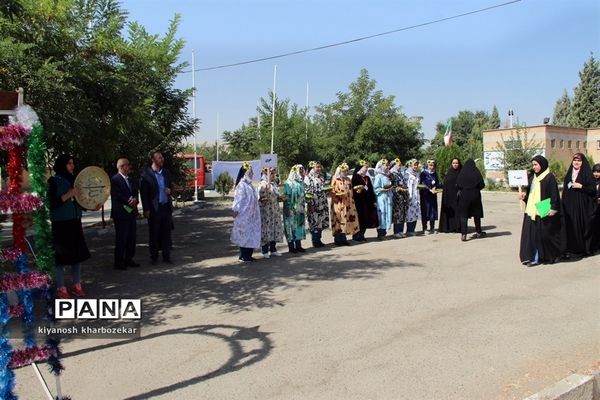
x,y
299,247
154,261
291,248
533,264
463,238
321,244
167,261
120,267
132,263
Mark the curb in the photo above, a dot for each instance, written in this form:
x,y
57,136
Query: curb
x,y
573,387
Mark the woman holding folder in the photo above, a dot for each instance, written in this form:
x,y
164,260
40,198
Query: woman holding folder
x,y
541,232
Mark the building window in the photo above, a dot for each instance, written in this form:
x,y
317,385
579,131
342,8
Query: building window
x,y
577,144
568,144
584,144
562,144
553,143
598,144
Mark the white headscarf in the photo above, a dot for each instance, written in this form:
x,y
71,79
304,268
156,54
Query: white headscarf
x,y
379,167
295,173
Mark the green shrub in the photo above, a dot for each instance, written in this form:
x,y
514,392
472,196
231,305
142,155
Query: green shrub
x,y
224,184
559,170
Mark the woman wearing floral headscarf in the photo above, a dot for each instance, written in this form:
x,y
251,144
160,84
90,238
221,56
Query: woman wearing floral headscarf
x,y
414,201
365,200
400,198
578,201
246,232
344,220
383,189
293,209
270,213
316,202
429,204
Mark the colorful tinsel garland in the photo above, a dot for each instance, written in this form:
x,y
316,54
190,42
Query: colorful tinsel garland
x,y
31,280
19,203
13,135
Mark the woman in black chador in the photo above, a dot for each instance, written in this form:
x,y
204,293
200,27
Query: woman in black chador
x,y
579,207
596,222
541,236
449,219
469,183
365,201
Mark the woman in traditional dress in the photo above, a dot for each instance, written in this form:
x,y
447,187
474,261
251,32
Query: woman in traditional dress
x,y
293,209
270,213
414,202
344,220
383,190
246,232
469,183
400,197
364,198
316,202
429,203
541,233
67,232
449,219
596,222
579,207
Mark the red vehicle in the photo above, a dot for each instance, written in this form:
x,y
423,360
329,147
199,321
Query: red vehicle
x,y
201,175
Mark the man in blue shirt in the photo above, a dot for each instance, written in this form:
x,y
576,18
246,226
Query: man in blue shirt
x,y
155,192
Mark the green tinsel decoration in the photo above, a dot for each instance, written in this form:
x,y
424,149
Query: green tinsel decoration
x,y
36,161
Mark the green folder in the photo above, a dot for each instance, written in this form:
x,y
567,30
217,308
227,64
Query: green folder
x,y
543,207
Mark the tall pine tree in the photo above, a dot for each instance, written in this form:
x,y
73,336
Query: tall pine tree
x,y
494,122
562,109
585,110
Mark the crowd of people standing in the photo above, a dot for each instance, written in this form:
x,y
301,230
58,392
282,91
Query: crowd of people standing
x,y
559,227
394,200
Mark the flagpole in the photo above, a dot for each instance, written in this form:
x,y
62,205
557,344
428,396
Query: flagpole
x,y
194,118
218,136
273,109
307,111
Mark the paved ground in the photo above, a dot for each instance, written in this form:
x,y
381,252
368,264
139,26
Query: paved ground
x,y
419,318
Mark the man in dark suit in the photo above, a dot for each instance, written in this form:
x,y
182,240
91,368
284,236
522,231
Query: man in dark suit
x,y
155,191
124,202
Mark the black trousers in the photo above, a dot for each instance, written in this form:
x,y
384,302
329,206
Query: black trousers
x,y
159,229
463,225
124,240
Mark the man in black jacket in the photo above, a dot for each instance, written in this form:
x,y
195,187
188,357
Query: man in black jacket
x,y
124,201
155,191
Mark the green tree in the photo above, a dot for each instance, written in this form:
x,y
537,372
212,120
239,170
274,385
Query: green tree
x,y
363,123
518,150
103,87
562,109
585,109
494,121
467,133
444,156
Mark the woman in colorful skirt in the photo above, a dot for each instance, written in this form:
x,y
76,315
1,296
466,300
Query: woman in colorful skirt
x,y
246,232
316,202
383,190
293,209
414,202
400,197
270,213
344,220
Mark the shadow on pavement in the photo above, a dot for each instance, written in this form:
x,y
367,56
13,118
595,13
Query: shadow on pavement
x,y
206,270
234,336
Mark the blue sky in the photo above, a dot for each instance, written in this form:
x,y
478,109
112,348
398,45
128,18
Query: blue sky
x,y
518,57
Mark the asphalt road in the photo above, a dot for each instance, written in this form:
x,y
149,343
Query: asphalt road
x,y
418,318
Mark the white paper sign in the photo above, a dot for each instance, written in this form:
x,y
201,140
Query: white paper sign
x,y
268,160
517,178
